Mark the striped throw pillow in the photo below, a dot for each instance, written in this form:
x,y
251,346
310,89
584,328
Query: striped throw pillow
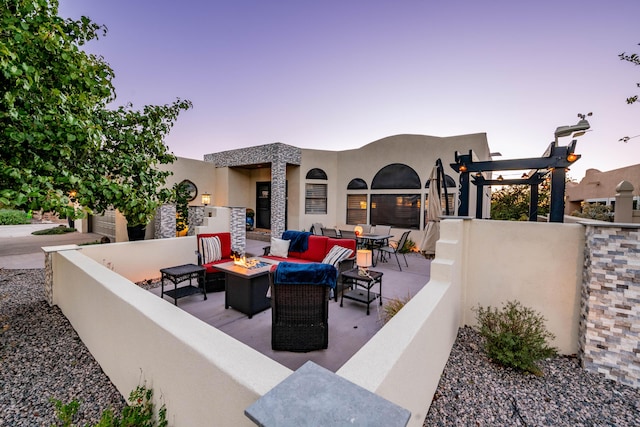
x,y
335,255
211,249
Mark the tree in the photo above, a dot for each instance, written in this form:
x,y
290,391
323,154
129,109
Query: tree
x,y
634,59
512,202
56,132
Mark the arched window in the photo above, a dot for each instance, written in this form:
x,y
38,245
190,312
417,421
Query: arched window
x,y
357,184
396,176
315,201
316,173
357,203
448,182
401,209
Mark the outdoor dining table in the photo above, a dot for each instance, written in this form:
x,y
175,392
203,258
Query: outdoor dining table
x,y
373,241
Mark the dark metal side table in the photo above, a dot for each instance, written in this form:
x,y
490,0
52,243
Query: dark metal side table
x,y
360,284
180,274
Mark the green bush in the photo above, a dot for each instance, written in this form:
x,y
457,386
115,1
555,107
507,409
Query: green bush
x,y
515,336
140,412
13,217
61,229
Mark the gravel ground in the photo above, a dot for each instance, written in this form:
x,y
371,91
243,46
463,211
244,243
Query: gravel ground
x,y
41,357
475,392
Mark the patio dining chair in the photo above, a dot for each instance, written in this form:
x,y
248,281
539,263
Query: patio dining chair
x,y
316,228
395,249
330,232
300,306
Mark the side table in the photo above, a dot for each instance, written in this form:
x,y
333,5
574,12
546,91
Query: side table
x,y
180,274
366,282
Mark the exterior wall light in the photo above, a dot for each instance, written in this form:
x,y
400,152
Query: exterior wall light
x,y
206,199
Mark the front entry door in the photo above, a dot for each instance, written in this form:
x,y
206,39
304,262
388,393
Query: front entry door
x,y
263,205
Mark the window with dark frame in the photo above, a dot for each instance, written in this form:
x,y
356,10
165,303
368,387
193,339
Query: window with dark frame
x,y
315,201
356,209
396,210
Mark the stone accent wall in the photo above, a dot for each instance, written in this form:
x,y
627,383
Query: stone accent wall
x,y
279,156
610,303
238,229
196,219
48,278
165,222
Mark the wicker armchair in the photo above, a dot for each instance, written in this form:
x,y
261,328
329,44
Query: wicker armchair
x,y
299,311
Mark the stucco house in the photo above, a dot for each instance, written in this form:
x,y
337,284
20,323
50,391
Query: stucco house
x,y
600,187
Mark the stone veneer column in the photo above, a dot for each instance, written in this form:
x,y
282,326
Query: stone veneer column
x,y
165,222
48,278
278,197
238,229
196,219
610,303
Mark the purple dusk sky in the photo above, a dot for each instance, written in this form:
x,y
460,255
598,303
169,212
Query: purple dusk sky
x,y
339,74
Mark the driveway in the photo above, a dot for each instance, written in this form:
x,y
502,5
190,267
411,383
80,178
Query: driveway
x,y
20,249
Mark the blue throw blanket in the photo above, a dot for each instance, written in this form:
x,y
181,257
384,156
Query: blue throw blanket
x,y
288,273
299,240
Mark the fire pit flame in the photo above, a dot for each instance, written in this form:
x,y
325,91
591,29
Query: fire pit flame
x,y
243,261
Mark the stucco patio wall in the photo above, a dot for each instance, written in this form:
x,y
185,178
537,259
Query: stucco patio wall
x,y
135,335
204,376
538,264
142,260
200,371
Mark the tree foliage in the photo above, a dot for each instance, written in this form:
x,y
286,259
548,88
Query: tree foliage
x,y
512,202
634,59
57,133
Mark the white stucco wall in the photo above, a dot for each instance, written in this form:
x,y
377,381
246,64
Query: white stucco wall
x,y
538,264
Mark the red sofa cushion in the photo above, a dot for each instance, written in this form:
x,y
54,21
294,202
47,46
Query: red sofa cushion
x,y
225,243
316,249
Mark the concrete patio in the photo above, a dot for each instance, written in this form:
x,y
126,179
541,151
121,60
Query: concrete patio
x,y
349,326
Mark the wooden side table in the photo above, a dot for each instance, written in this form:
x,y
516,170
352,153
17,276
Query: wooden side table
x,y
180,274
365,282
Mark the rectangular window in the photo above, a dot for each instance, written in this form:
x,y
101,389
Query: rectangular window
x,y
315,199
356,209
396,210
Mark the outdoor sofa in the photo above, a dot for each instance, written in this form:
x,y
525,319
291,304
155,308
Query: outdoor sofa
x,y
317,250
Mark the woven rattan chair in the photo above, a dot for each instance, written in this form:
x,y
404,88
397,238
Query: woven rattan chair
x,y
299,311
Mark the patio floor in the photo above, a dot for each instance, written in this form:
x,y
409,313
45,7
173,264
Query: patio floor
x,y
349,326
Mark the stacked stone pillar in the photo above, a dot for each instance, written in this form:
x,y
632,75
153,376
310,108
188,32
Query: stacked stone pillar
x,y
610,303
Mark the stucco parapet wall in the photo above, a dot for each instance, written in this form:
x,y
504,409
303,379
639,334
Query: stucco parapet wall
x,y
605,224
268,153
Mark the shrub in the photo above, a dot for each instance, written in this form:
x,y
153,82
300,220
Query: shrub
x,y
140,412
61,229
515,336
13,217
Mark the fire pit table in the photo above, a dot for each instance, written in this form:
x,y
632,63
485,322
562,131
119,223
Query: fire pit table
x,y
246,287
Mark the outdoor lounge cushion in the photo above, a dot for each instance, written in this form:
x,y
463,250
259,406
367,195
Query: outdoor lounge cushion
x,y
279,247
336,255
211,249
316,249
305,274
225,249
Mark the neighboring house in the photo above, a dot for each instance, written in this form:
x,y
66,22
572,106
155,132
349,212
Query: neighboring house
x,y
600,187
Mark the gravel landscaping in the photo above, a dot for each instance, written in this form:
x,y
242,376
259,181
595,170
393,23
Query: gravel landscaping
x,y
41,357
